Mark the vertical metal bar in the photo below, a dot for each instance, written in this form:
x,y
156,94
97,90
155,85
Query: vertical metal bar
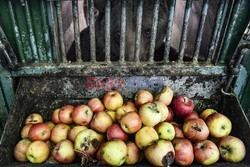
x,y
138,30
123,31
169,31
31,33
16,33
154,30
55,31
76,30
212,46
107,30
3,109
200,30
59,14
92,30
46,32
184,29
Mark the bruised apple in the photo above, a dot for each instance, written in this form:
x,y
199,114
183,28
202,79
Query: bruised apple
x,y
143,97
165,96
163,110
170,115
82,114
204,114
133,155
101,121
194,114
37,152
112,100
125,108
20,150
165,130
63,153
178,130
74,131
150,114
65,114
95,104
59,132
131,122
55,116
34,119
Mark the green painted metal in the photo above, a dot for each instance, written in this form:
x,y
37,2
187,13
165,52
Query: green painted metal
x,y
3,110
237,25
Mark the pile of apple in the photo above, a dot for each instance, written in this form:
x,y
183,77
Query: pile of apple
x,y
112,132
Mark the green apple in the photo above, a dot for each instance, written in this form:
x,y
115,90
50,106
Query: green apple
x,y
219,125
145,137
114,152
37,152
232,149
165,130
163,110
150,114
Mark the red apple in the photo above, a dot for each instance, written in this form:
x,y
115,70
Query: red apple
x,y
25,131
182,106
131,122
82,115
115,132
74,131
178,130
63,152
112,100
206,152
65,114
101,121
195,129
20,150
39,131
95,104
55,116
194,114
170,115
142,97
98,152
133,155
59,132
183,151
34,119
125,108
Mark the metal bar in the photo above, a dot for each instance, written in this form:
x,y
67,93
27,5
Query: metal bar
x,y
16,33
92,31
76,30
60,25
154,30
184,29
55,31
123,31
200,30
6,55
138,30
46,32
31,32
107,30
217,27
3,108
169,31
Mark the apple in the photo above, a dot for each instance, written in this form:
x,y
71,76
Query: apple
x,y
145,137
182,106
194,114
125,108
219,125
170,115
98,152
143,97
95,104
131,122
178,130
163,110
165,96
112,100
112,114
63,153
206,152
86,142
34,119
25,131
49,144
232,149
65,114
195,129
39,131
165,130
55,116
20,150
115,132
101,121
50,124
82,114
183,151
150,114
37,152
74,131
59,132
160,153
133,155
114,152
204,114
